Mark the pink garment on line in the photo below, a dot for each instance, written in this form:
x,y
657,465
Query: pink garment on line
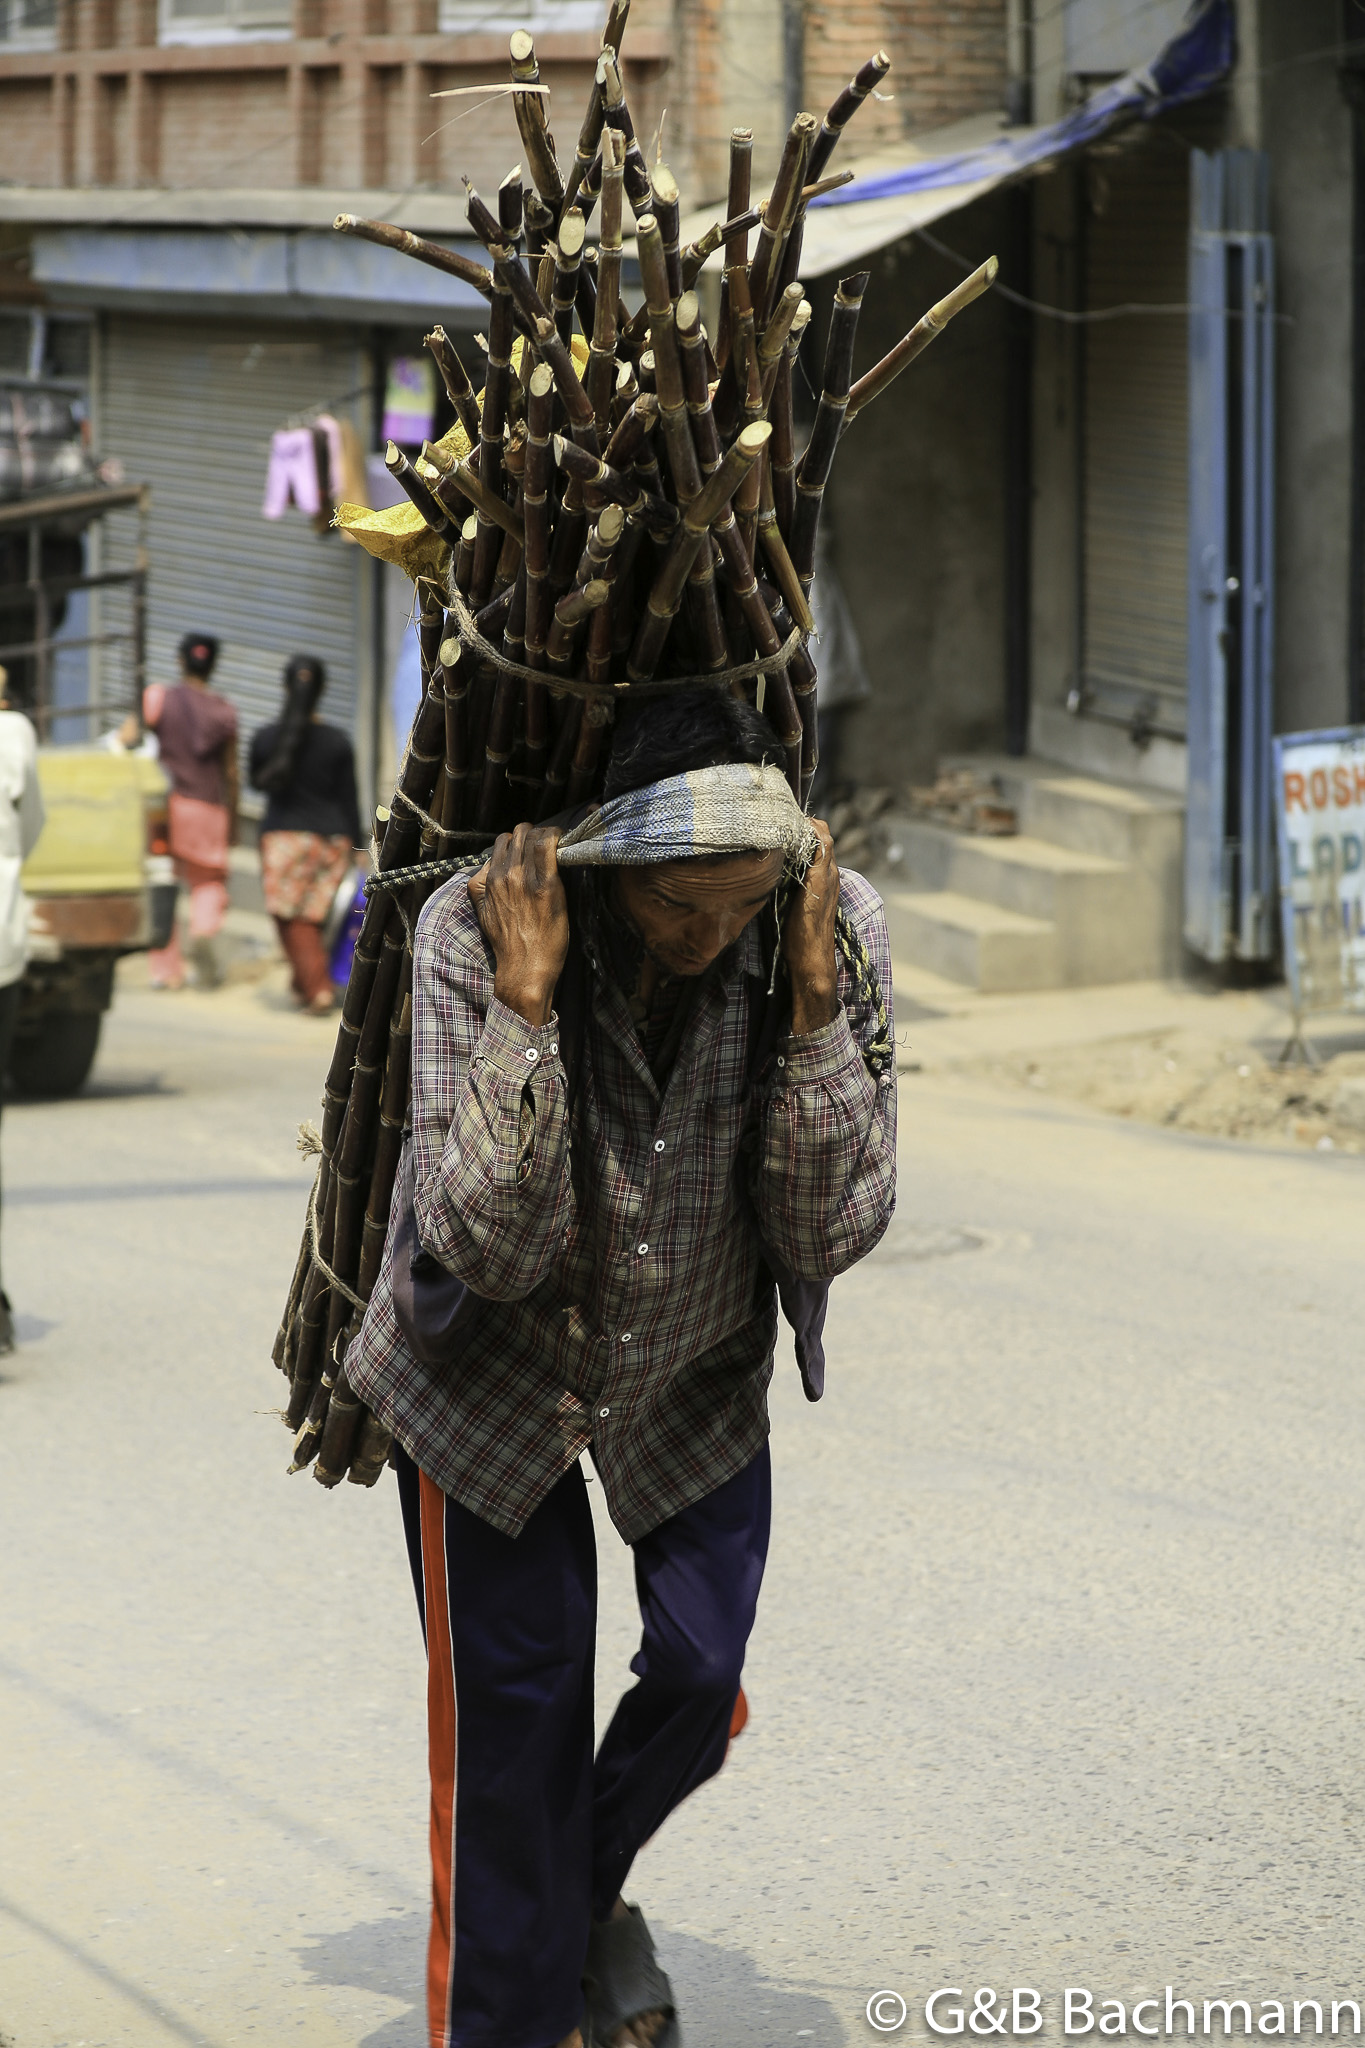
x,y
292,472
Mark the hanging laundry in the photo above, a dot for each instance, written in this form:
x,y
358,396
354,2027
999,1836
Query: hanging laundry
x,y
292,474
410,401
306,470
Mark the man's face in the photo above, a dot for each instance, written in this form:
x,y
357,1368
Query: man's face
x,y
688,911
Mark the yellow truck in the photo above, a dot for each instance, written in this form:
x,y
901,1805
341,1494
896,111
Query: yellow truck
x,y
100,885
99,882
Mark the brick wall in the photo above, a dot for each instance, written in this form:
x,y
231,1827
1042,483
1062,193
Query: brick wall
x,y
346,101
947,61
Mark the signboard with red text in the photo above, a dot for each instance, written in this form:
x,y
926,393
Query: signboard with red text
x,y
1320,816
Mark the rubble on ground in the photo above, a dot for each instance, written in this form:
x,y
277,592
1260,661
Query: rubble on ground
x,y
1225,1089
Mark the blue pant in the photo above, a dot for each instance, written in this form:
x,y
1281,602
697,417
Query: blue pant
x,y
530,1837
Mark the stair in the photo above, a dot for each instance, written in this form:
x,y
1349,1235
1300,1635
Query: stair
x,y
1087,891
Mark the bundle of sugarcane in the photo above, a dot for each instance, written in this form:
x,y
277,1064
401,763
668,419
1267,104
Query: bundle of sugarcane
x,y
619,512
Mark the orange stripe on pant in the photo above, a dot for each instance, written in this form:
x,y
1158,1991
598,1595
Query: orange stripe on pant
x,y
442,1746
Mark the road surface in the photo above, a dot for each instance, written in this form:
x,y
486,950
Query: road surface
x,y
1059,1671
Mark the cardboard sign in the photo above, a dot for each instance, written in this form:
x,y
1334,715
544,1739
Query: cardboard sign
x,y
1320,815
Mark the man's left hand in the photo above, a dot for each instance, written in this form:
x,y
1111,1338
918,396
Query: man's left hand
x,y
808,941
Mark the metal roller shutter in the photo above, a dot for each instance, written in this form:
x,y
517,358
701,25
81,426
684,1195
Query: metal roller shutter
x,y
1136,440
190,407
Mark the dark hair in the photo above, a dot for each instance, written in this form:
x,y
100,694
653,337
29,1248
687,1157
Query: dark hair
x,y
303,682
198,653
687,729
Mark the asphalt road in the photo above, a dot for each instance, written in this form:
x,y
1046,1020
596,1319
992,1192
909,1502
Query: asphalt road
x,y
1058,1675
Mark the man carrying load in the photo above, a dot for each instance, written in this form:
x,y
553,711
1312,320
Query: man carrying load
x,y
652,1082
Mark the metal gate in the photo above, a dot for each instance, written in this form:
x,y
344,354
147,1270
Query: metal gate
x,y
1134,442
190,406
1230,888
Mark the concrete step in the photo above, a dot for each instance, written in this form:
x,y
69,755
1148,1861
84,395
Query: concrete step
x,y
965,940
1114,820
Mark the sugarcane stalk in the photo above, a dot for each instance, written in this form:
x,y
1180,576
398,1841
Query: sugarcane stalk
x,y
776,698
493,511
597,716
493,418
736,239
570,612
513,544
432,253
615,486
626,392
601,371
585,149
666,206
616,114
419,492
456,380
782,454
666,594
568,253
773,343
801,670
918,339
561,757
464,555
673,421
864,81
829,420
536,511
532,122
696,392
373,1445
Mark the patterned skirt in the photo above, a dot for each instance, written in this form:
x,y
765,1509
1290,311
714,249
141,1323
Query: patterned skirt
x,y
301,871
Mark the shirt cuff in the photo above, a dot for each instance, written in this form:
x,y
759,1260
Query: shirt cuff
x,y
514,1048
816,1055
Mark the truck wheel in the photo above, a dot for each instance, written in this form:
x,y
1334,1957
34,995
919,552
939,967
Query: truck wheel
x,y
56,1059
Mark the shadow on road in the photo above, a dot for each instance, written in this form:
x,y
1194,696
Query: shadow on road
x,y
723,1994
386,1956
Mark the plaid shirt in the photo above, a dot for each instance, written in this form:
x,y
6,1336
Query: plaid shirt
x,y
627,1310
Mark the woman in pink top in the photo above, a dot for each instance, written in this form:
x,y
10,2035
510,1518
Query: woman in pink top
x,y
196,732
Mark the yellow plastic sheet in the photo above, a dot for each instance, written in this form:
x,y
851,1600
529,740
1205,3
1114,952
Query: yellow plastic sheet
x,y
400,534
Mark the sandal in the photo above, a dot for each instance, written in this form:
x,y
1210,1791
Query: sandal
x,y
622,1982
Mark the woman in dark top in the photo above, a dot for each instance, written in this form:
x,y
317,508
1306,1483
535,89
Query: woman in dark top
x,y
311,827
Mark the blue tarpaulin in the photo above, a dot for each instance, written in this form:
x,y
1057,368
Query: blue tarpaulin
x,y
1192,64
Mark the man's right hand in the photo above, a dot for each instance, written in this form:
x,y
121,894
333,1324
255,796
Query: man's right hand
x,y
519,900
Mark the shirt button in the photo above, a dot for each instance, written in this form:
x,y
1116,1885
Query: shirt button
x,y
780,1061
532,1054
625,1336
658,1145
554,1046
643,1249
604,1413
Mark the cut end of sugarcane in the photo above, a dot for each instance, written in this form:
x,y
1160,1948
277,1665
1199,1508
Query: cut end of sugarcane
x,y
572,231
344,223
392,455
521,47
981,280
